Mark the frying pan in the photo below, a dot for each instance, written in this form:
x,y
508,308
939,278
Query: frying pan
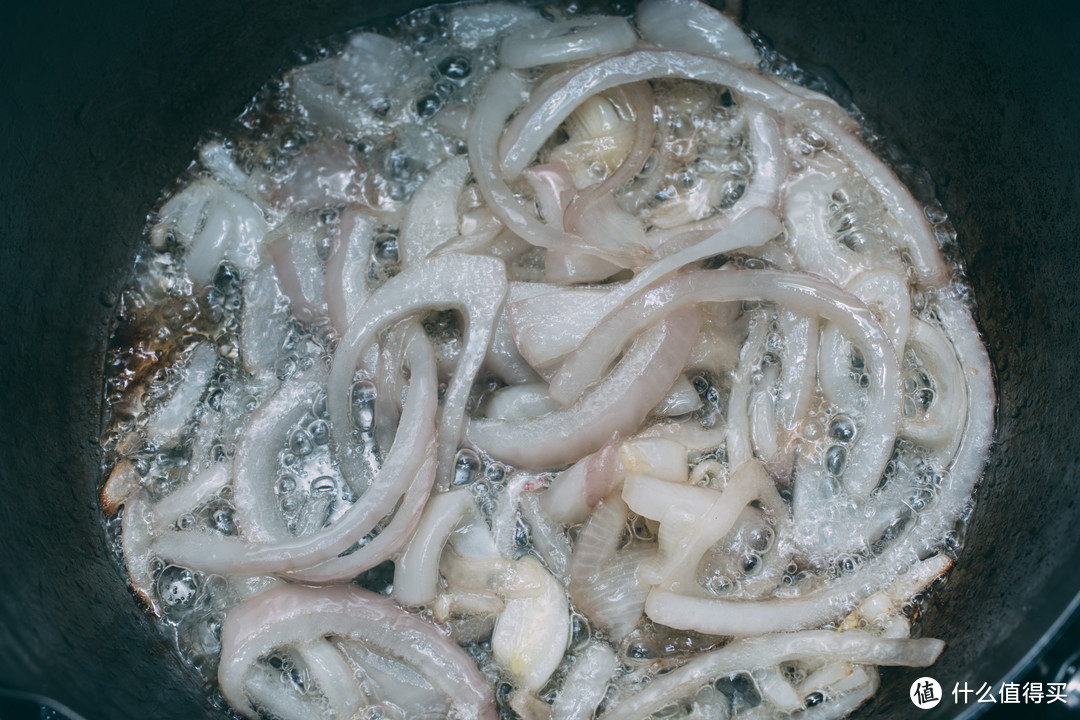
x,y
103,105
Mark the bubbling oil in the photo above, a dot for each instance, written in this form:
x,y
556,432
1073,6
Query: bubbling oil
x,y
181,385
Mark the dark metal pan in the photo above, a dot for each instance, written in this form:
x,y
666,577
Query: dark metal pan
x,y
101,106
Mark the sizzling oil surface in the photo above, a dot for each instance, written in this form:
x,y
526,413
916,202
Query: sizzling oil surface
x,y
183,379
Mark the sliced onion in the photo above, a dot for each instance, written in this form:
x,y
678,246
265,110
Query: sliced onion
x,y
554,189
770,166
333,677
576,491
616,405
800,293
262,327
471,25
550,107
432,217
661,458
516,402
586,683
549,326
282,253
817,249
682,399
692,519
922,242
693,26
798,378
346,271
501,96
325,173
769,650
410,454
416,576
256,458
165,424
639,99
214,223
290,615
603,579
503,357
568,40
389,540
739,442
886,293
547,535
476,286
196,491
137,538
532,633
942,427
123,480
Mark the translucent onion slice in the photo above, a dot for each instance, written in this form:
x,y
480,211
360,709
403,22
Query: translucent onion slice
x,y
618,404
164,426
586,683
770,165
803,294
282,248
384,545
196,491
854,646
263,325
255,461
942,426
549,107
569,40
604,582
137,538
431,218
923,244
289,615
214,223
693,26
413,446
501,96
547,327
333,677
476,287
503,357
577,490
416,572
515,402
639,99
692,519
346,267
532,633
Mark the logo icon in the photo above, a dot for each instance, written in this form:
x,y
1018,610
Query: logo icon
x,y
925,693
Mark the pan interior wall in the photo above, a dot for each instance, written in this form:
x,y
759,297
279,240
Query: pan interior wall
x,y
103,106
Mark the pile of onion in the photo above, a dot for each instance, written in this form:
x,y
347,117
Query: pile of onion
x,y
592,370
